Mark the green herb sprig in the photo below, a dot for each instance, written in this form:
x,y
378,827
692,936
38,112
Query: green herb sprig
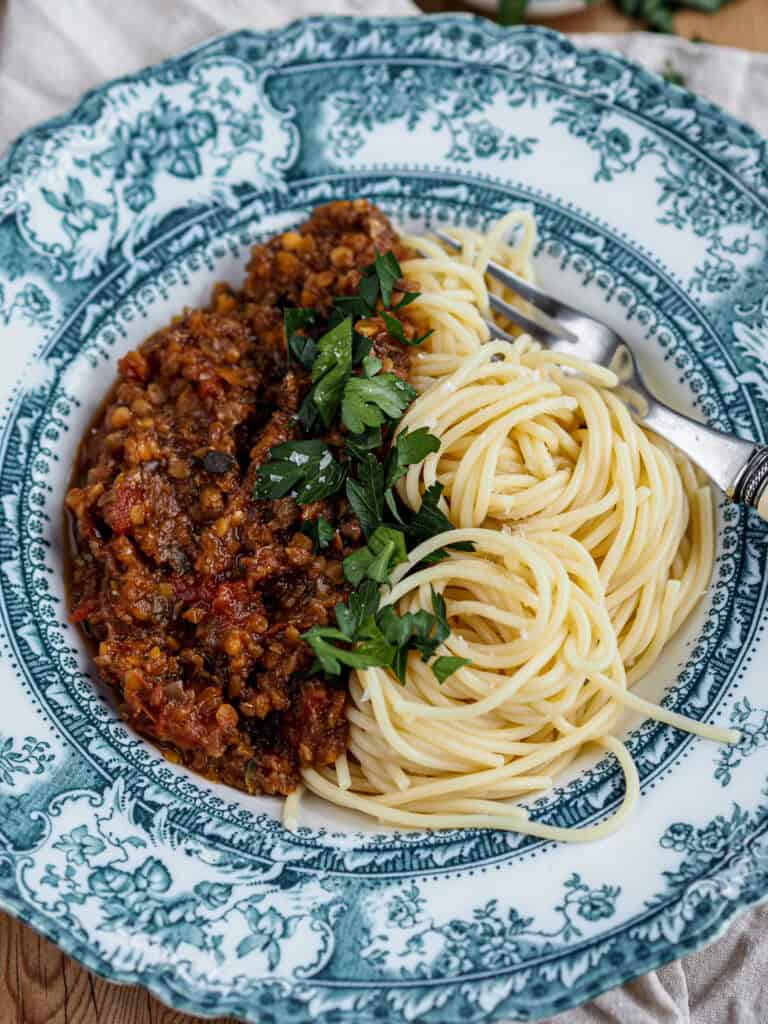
x,y
351,391
320,532
368,636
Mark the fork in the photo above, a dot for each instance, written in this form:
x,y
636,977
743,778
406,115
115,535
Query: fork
x,y
738,467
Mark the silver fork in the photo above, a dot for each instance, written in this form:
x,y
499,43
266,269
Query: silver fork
x,y
738,467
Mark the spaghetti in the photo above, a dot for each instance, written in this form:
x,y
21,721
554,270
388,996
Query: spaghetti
x,y
592,542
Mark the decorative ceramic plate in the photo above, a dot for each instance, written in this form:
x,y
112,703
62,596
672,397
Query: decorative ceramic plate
x,y
652,208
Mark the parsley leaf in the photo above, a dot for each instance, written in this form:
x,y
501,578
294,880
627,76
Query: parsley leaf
x,y
389,500
368,289
446,665
368,637
395,328
358,445
331,370
427,629
400,630
428,522
380,276
368,402
419,631
371,366
304,469
410,447
361,346
352,305
384,550
383,563
363,304
362,605
303,349
388,272
320,531
366,494
308,415
442,629
370,649
397,629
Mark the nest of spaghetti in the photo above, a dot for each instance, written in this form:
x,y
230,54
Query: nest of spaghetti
x,y
592,541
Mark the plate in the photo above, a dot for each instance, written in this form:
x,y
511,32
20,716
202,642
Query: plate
x,y
651,207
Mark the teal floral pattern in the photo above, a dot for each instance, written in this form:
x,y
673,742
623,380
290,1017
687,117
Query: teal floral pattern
x,y
32,758
585,119
127,882
78,846
693,196
80,214
30,303
492,938
163,138
125,210
752,724
703,847
427,99
191,143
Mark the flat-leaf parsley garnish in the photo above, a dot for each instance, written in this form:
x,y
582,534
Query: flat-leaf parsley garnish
x,y
446,665
370,648
395,328
389,273
331,370
369,637
370,401
306,470
429,521
353,394
378,558
358,445
366,493
320,531
302,348
409,449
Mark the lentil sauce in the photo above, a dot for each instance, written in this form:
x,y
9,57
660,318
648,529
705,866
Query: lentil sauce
x,y
194,594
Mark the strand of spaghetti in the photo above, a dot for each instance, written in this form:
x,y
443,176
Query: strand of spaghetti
x,y
291,809
600,723
719,734
515,819
343,777
513,770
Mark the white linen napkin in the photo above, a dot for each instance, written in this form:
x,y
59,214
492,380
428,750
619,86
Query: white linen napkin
x,y
734,79
51,52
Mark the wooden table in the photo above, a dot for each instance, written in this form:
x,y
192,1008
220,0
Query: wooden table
x,y
42,986
742,23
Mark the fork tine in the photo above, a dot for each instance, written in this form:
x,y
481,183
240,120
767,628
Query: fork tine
x,y
532,327
546,303
496,331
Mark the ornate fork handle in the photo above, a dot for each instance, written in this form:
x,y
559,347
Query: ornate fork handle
x,y
751,486
738,467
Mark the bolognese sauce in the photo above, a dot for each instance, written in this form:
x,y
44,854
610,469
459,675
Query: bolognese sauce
x,y
194,594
